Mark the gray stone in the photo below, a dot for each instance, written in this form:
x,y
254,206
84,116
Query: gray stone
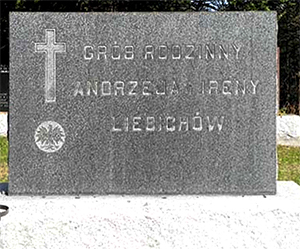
x,y
143,103
288,130
154,222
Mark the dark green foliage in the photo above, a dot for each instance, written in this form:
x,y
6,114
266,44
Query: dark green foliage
x,y
288,13
289,43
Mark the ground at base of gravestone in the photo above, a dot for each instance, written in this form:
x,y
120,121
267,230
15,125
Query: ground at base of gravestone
x,y
153,221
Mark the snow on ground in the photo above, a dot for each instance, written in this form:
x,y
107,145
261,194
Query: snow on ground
x,y
3,123
288,130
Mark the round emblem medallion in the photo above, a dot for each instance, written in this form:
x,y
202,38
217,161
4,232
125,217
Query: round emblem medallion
x,y
49,136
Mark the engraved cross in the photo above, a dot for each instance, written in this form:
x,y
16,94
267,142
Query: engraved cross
x,y
50,47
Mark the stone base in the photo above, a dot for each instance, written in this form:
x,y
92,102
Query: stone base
x,y
153,221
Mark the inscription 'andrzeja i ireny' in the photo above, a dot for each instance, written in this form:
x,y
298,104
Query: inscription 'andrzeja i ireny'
x,y
208,52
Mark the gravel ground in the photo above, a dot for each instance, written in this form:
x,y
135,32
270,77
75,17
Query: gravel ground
x,y
153,221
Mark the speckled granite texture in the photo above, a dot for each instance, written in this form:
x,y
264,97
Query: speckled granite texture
x,y
142,103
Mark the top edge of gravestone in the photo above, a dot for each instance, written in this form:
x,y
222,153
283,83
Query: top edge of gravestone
x,y
230,14
146,13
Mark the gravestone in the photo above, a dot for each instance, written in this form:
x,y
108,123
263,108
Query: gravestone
x,y
142,103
